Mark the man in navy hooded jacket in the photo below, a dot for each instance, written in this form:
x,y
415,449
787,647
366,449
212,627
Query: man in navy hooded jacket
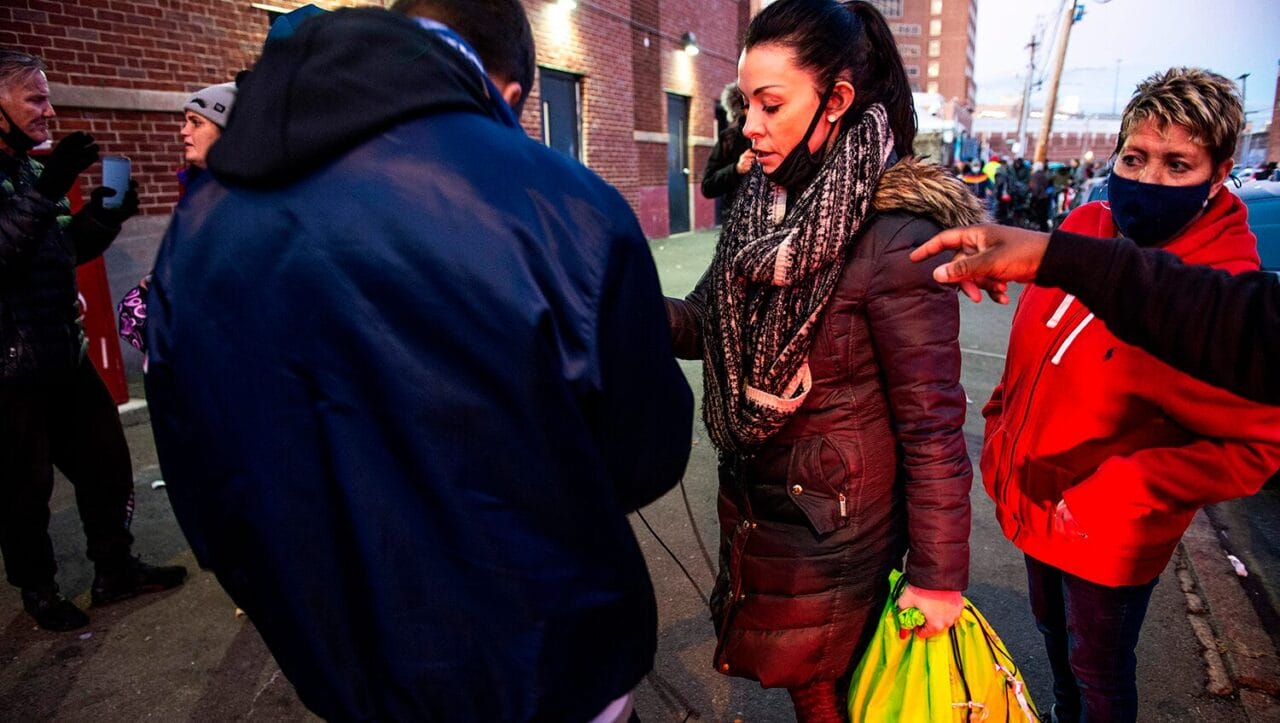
x,y
409,370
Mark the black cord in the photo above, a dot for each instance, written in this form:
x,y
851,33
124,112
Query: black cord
x,y
676,560
697,535
667,692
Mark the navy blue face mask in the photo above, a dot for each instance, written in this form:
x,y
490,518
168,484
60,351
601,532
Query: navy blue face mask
x,y
1150,214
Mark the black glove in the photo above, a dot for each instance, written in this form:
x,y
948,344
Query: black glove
x,y
69,159
113,216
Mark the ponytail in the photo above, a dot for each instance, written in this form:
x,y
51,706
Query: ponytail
x,y
887,77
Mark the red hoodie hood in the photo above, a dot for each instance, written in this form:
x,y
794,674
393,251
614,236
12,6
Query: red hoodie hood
x,y
1220,237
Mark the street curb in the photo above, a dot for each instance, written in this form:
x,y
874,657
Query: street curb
x,y
134,412
1245,647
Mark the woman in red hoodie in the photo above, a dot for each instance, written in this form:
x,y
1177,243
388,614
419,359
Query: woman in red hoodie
x,y
1096,454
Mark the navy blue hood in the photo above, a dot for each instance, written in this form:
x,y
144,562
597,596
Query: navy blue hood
x,y
323,90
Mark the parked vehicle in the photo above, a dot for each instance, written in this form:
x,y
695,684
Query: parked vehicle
x,y
1242,173
1263,200
1094,189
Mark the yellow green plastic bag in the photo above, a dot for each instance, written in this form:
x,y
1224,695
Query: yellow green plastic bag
x,y
964,675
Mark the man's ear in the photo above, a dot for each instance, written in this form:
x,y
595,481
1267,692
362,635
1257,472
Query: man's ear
x,y
1220,176
511,92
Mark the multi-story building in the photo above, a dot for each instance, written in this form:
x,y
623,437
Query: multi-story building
x,y
936,39
629,87
937,42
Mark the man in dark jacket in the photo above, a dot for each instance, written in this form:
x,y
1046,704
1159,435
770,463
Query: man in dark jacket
x,y
54,408
1221,328
409,371
731,157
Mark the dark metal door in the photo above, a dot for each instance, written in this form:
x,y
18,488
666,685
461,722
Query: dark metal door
x,y
678,162
560,127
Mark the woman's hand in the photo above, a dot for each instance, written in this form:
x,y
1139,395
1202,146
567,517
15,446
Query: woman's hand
x,y
744,162
1064,523
941,608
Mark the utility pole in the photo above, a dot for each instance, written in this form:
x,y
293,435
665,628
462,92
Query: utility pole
x,y
1026,96
1115,93
1244,95
1051,101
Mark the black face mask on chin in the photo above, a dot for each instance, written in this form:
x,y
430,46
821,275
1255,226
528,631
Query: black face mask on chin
x,y
800,166
14,137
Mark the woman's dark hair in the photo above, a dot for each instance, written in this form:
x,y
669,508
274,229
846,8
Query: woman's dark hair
x,y
849,40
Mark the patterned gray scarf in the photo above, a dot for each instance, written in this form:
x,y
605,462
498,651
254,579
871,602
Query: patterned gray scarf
x,y
771,277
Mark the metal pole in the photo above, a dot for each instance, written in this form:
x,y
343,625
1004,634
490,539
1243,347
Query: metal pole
x,y
1115,93
1051,102
1024,112
1084,140
1244,96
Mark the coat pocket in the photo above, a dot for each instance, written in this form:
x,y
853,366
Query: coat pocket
x,y
818,483
994,447
1042,484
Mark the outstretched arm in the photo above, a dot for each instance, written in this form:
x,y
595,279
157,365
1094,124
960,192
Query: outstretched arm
x,y
1147,297
1219,328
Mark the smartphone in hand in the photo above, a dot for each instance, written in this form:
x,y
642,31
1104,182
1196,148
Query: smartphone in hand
x,y
115,175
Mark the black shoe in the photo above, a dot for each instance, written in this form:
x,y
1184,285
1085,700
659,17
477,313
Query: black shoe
x,y
116,582
51,610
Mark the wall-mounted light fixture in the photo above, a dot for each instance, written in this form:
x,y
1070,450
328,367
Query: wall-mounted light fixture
x,y
558,21
690,44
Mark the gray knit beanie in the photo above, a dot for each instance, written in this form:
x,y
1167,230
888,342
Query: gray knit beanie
x,y
213,103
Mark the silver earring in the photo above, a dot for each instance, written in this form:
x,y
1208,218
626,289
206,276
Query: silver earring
x,y
832,118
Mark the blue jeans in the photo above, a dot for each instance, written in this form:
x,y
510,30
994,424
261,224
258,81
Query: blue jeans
x,y
1090,632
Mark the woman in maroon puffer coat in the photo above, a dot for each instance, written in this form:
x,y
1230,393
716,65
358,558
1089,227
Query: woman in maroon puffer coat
x,y
832,364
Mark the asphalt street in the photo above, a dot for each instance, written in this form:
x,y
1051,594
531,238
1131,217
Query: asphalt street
x,y
186,655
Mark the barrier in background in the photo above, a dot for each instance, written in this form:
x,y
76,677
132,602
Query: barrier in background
x,y
99,317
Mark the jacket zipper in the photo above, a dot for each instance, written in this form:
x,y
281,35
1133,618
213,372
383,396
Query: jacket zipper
x,y
1058,342
1062,309
1062,350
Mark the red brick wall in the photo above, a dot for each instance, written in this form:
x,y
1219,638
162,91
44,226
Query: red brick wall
x,y
715,23
122,44
156,45
150,140
1062,146
628,55
573,43
183,45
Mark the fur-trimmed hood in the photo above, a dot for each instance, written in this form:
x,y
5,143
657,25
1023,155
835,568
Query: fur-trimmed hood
x,y
913,185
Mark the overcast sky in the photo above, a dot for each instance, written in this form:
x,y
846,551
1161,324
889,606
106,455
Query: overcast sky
x,y
1230,37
